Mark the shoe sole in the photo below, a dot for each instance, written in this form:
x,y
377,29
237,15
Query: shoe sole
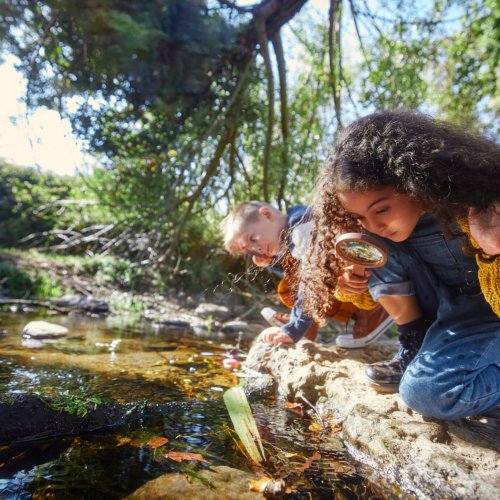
x,y
268,313
383,388
351,343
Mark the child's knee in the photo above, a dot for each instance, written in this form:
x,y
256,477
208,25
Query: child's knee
x,y
445,396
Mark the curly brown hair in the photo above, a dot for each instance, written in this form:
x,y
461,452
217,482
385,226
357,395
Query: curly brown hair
x,y
446,168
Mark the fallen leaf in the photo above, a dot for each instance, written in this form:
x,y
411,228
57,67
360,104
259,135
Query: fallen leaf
x,y
123,441
316,427
157,441
309,461
295,408
181,456
136,442
268,485
340,468
293,455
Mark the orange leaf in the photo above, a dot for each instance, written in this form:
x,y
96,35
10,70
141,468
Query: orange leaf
x,y
136,442
180,456
340,468
157,441
295,407
309,461
268,485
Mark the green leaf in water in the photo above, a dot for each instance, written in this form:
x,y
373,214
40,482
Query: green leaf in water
x,y
244,424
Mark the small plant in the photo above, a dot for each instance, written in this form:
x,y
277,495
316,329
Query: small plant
x,y
73,404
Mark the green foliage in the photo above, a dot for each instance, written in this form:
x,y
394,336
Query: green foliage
x,y
75,404
397,75
468,81
19,283
446,59
143,52
177,105
27,202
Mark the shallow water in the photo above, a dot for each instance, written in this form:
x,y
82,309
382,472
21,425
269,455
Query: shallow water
x,y
127,365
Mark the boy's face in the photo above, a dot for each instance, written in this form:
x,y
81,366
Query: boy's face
x,y
383,212
262,238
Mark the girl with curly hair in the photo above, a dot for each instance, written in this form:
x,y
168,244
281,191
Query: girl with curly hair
x,y
420,185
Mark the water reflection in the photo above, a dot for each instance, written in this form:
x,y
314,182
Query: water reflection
x,y
136,365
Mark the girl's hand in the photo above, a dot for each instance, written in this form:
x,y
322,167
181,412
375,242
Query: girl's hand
x,y
352,284
275,335
261,261
485,228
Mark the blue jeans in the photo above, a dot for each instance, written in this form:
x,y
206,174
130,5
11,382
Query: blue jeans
x,y
456,372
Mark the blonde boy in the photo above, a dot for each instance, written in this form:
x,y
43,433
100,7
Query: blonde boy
x,y
279,242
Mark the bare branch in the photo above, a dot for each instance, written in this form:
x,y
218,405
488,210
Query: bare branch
x,y
332,47
285,117
79,203
264,50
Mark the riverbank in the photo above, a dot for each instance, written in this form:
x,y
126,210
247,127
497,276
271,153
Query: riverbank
x,y
424,457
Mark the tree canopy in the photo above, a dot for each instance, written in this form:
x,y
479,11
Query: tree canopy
x,y
191,105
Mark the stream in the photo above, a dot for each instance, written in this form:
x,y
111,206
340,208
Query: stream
x,y
101,360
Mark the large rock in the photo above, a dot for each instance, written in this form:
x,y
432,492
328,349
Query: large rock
x,y
225,482
214,311
43,329
460,459
83,303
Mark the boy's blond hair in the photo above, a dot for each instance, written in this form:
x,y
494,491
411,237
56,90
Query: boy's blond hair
x,y
240,215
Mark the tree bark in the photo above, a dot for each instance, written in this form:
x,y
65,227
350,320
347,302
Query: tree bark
x,y
281,64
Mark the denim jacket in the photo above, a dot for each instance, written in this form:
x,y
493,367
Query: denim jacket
x,y
421,264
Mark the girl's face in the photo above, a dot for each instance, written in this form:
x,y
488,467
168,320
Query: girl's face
x,y
383,212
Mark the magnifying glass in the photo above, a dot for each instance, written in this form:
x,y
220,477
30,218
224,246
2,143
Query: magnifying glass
x,y
362,251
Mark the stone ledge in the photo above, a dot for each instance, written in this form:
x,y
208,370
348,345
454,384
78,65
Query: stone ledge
x,y
426,458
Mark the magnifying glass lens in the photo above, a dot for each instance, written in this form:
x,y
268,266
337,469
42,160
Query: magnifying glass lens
x,y
363,253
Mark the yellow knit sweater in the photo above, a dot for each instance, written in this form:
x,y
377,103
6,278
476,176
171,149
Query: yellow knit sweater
x,y
488,274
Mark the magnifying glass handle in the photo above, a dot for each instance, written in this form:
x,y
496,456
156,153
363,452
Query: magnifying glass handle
x,y
358,270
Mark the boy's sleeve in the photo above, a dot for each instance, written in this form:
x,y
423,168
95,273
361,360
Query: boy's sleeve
x,y
299,322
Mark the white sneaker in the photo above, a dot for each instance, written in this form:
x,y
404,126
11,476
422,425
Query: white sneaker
x,y
272,317
379,323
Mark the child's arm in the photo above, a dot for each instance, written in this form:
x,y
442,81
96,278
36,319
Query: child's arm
x,y
354,289
294,330
352,284
485,228
276,335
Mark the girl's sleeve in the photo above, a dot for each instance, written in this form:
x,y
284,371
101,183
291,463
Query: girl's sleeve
x,y
361,300
391,279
